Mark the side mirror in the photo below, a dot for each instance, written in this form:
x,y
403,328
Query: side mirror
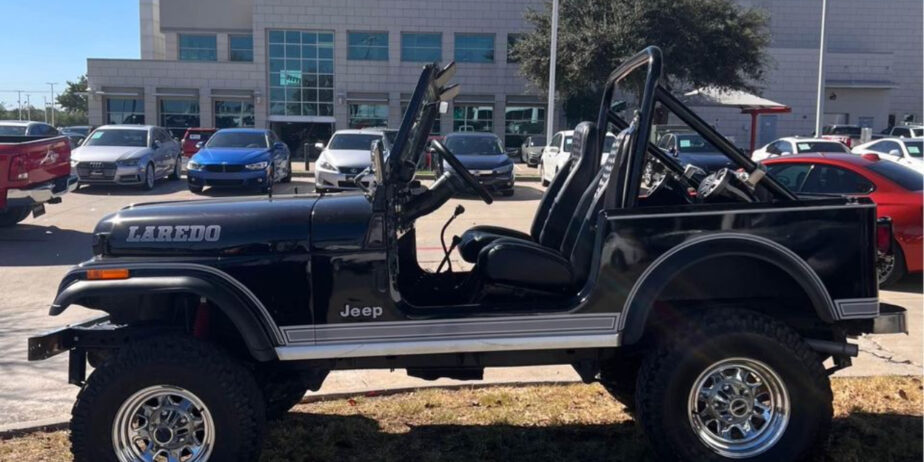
x,y
279,145
553,150
895,153
155,144
199,145
785,153
672,150
444,107
319,146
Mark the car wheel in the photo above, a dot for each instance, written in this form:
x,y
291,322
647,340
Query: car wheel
x,y
195,189
168,398
542,179
736,385
177,168
13,215
288,177
891,268
147,183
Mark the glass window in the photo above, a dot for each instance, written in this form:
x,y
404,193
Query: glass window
x,y
124,111
512,40
238,139
905,177
118,137
915,148
198,47
556,140
368,115
240,48
353,141
522,121
884,147
177,115
472,118
301,68
233,114
367,46
835,180
821,146
421,47
436,129
12,130
474,48
790,175
474,145
901,131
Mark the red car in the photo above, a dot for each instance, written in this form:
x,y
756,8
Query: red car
x,y
193,137
897,191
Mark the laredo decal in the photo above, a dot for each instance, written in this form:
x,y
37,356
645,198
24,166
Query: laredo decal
x,y
180,233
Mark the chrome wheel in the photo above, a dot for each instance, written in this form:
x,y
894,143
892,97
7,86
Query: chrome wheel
x,y
739,407
885,265
163,423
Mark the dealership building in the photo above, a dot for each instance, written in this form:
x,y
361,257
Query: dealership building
x,y
306,67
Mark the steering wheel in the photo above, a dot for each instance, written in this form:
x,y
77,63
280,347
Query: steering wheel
x,y
714,184
463,172
653,176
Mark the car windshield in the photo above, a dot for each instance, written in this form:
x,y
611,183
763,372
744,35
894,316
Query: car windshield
x,y
905,177
695,144
12,130
820,146
915,148
474,145
199,136
118,137
537,141
842,130
353,141
238,140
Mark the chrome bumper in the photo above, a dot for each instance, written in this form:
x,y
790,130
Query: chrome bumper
x,y
43,193
891,320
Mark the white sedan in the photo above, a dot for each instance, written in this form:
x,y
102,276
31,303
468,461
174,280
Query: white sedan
x,y
905,151
558,151
796,145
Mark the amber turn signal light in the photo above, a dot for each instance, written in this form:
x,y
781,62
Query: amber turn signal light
x,y
115,273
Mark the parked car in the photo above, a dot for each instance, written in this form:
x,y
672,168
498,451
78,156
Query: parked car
x,y
26,128
128,155
690,148
903,131
798,145
193,140
906,151
240,158
531,149
847,134
482,154
721,315
554,156
79,129
35,170
344,157
896,190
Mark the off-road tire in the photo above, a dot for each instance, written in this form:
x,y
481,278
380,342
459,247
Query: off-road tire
x,y
195,189
13,215
282,390
226,387
668,373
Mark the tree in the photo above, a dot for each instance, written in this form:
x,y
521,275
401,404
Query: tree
x,y
73,99
705,43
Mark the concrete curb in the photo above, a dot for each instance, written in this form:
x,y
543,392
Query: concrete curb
x,y
16,430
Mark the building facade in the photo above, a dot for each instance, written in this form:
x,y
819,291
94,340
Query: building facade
x,y
307,67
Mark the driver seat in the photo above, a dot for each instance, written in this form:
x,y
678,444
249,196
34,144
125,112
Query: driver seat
x,y
557,204
510,266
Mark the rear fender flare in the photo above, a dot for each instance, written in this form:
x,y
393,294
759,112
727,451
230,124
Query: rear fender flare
x,y
238,303
662,271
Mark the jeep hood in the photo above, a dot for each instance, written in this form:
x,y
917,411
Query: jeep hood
x,y
225,227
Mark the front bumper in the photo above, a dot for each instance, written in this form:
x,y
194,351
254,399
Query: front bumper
x,y
119,174
495,181
41,194
57,341
242,179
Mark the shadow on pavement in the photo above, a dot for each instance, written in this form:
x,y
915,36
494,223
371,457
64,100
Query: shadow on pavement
x,y
160,188
33,245
303,436
911,283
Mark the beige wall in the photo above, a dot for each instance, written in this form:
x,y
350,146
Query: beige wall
x,y
206,14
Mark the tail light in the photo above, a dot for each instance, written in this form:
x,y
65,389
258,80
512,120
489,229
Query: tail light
x,y
884,235
18,169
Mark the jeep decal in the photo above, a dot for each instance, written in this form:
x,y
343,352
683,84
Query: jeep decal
x,y
356,312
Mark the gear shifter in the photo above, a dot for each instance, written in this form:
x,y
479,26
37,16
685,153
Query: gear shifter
x,y
455,240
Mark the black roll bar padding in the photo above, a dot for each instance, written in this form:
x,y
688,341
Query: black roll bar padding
x,y
713,136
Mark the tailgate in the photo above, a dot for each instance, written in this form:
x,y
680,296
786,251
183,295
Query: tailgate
x,y
31,163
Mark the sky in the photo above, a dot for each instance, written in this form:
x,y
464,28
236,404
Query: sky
x,y
50,41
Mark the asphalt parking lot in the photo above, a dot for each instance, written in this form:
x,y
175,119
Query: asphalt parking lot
x,y
36,254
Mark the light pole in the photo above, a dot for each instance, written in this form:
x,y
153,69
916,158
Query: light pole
x,y
19,102
45,108
820,101
28,108
52,101
553,50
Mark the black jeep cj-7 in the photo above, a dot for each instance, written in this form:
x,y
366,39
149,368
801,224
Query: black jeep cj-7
x,y
711,305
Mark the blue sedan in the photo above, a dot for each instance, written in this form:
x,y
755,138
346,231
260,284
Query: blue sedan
x,y
242,158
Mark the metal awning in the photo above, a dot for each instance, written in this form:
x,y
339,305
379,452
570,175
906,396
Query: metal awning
x,y
748,104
